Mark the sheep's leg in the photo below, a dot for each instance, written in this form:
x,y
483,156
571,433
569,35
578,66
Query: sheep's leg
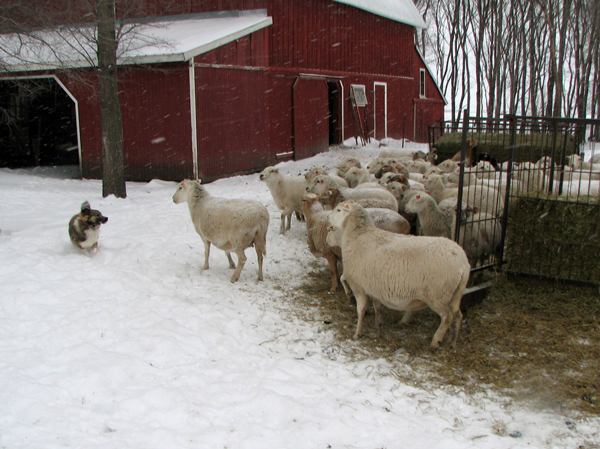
x,y
282,227
240,265
406,317
447,319
378,320
458,316
334,272
259,255
362,300
231,262
289,222
206,254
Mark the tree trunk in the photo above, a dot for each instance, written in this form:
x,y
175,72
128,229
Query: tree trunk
x,y
113,170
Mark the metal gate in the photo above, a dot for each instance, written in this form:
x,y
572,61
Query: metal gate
x,y
545,218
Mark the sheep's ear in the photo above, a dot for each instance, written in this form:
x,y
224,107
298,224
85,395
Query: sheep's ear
x,y
199,181
346,206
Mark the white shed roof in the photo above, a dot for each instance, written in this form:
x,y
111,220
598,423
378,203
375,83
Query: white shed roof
x,y
403,11
178,39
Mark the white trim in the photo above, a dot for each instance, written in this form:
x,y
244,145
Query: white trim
x,y
343,115
193,116
385,108
431,74
177,40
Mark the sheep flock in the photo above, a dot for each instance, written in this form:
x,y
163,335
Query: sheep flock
x,y
392,230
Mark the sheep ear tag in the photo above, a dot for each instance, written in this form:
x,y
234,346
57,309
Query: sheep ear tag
x,y
418,196
346,206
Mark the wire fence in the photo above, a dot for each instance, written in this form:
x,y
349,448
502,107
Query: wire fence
x,y
528,194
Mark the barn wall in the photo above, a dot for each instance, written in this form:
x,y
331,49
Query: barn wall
x,y
233,134
248,51
84,87
155,105
331,36
155,108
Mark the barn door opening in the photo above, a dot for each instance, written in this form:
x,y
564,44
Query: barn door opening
x,y
380,110
38,125
335,112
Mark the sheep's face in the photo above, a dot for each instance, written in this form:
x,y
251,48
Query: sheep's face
x,y
352,173
267,172
396,188
447,166
375,165
319,185
339,214
347,164
313,172
417,202
182,192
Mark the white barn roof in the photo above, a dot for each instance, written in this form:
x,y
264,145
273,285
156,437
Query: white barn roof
x,y
178,39
403,11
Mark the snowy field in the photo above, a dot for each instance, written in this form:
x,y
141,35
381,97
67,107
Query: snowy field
x,y
135,347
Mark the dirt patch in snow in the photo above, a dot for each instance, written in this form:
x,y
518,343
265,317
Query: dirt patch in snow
x,y
528,339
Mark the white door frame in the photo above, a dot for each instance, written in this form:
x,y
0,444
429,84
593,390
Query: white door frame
x,y
385,108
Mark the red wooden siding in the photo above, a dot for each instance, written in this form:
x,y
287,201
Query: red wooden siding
x,y
250,51
310,116
231,113
155,105
321,34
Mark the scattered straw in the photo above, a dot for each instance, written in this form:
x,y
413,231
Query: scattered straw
x,y
529,340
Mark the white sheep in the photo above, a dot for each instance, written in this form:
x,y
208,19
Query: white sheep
x,y
447,166
385,219
327,188
418,166
401,272
355,176
317,228
479,235
347,163
315,171
232,225
484,198
435,220
287,192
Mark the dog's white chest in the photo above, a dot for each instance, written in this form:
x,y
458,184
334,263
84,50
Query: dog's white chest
x,y
91,238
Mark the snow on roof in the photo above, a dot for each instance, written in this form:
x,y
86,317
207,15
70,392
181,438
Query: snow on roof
x,y
403,11
178,39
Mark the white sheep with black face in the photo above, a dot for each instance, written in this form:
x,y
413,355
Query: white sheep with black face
x,y
401,272
232,225
287,192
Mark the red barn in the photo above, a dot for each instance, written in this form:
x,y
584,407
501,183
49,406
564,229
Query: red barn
x,y
222,87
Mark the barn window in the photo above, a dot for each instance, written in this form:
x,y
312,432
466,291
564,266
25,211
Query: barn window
x,y
422,83
358,92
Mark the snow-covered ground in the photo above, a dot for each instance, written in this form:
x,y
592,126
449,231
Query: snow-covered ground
x,y
135,347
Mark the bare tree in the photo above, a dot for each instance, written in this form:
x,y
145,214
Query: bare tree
x,y
113,170
33,25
